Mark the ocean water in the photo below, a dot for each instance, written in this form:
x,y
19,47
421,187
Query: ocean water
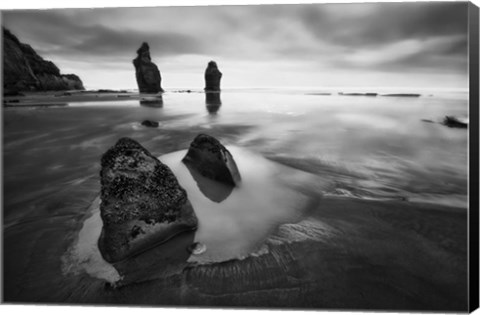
x,y
292,144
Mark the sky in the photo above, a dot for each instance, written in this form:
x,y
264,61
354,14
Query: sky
x,y
401,45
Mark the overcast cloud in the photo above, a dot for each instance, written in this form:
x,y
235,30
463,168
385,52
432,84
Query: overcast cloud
x,y
387,44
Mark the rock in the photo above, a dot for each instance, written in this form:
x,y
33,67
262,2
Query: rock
x,y
455,122
149,123
211,159
212,77
143,204
146,72
25,70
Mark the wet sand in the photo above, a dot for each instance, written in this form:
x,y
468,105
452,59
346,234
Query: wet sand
x,y
341,253
346,254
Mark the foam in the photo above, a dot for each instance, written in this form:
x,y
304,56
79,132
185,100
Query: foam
x,y
238,225
84,255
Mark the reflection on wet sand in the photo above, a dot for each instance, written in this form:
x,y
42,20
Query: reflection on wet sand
x,y
238,225
152,101
213,190
213,102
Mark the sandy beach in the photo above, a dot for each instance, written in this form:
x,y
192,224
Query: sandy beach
x,y
381,230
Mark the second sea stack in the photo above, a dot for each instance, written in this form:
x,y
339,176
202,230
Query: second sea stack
x,y
212,160
142,205
146,72
212,77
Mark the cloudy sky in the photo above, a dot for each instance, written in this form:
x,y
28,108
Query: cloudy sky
x,y
318,45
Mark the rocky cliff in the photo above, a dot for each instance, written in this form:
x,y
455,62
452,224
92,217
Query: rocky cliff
x,y
25,70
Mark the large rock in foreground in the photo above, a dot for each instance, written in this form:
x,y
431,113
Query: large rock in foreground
x,y
211,159
146,72
142,205
212,77
25,70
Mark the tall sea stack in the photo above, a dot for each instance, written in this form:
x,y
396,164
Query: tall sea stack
x,y
146,72
212,77
25,70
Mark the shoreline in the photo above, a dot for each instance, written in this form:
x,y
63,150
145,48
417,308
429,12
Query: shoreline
x,y
56,98
62,98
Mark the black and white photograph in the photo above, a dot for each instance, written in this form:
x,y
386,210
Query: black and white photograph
x,y
309,156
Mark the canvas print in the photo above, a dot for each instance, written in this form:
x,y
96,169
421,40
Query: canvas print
x,y
303,156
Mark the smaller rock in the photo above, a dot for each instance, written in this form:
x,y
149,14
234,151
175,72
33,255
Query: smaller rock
x,y
211,159
149,123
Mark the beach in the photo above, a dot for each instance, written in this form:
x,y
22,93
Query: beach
x,y
379,218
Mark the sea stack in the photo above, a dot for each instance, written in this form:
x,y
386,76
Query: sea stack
x,y
211,159
146,72
212,77
142,205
